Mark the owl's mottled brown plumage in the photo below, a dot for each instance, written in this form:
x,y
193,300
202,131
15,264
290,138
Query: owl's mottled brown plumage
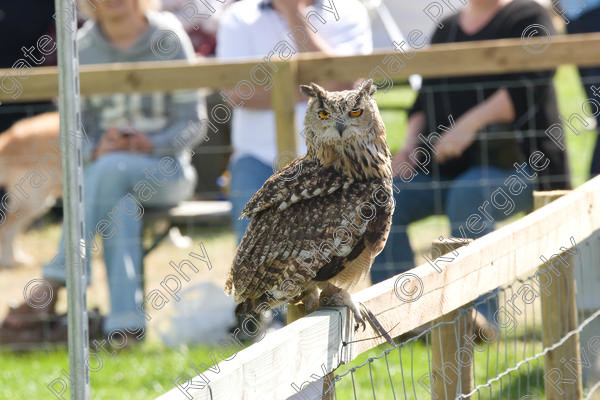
x,y
320,221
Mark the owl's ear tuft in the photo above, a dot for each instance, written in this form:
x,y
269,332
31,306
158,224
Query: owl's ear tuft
x,y
368,87
312,90
308,91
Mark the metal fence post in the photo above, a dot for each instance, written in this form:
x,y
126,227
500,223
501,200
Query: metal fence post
x,y
72,174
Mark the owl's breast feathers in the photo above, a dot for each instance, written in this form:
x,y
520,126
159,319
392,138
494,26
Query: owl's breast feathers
x,y
309,224
301,179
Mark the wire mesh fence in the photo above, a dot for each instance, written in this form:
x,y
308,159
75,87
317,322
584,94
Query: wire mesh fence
x,y
503,359
494,177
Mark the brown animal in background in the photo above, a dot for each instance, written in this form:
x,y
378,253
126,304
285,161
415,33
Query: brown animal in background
x,y
30,175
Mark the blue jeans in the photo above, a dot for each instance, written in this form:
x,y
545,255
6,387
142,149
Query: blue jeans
x,y
247,176
115,188
457,199
587,23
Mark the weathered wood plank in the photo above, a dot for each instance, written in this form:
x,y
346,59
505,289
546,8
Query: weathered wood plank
x,y
143,77
452,59
284,94
455,59
267,369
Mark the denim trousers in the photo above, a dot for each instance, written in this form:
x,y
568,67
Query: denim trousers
x,y
247,176
457,199
116,188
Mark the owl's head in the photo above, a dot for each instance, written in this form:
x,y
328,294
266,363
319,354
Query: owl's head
x,y
345,129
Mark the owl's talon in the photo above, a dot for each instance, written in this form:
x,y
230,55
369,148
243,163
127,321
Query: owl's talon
x,y
359,322
358,325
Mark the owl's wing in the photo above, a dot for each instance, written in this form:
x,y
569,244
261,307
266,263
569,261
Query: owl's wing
x,y
301,179
311,239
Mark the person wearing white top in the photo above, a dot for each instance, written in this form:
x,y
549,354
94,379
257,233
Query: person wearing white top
x,y
260,29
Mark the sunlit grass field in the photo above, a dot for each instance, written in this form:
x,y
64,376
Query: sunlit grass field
x,y
148,370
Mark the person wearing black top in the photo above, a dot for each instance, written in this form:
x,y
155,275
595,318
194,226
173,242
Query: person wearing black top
x,y
22,23
491,125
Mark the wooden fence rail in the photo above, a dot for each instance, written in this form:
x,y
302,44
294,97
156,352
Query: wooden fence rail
x,y
451,59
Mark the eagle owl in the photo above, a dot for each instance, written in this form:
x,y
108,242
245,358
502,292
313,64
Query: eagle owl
x,y
319,223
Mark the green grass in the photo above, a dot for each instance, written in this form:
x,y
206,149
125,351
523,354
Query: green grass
x,y
570,99
395,122
143,372
147,371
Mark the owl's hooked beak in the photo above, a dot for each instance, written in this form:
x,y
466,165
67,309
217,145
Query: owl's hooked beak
x,y
341,126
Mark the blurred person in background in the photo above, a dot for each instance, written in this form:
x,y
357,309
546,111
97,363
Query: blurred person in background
x,y
128,137
463,171
200,20
584,17
254,29
22,25
192,15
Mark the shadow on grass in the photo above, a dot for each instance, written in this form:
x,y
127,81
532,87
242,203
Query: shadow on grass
x,y
527,381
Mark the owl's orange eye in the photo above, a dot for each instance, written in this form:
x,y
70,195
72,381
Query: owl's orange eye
x,y
323,114
355,113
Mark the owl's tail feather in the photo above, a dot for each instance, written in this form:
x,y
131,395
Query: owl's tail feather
x,y
255,307
246,308
242,309
229,285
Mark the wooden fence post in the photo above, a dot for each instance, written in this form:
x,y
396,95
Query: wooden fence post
x,y
446,340
283,101
284,95
559,316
